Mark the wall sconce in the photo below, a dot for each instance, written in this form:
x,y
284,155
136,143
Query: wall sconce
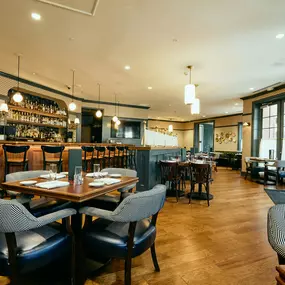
x,y
246,124
76,121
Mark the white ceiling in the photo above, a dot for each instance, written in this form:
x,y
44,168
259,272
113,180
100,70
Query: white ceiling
x,y
232,45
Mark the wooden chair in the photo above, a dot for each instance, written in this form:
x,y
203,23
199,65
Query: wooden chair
x,y
14,149
200,174
99,157
248,166
110,158
87,158
52,150
120,156
169,173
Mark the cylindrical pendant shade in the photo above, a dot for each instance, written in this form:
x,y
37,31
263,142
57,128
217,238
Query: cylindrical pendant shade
x,y
170,128
76,121
4,107
72,106
195,108
189,95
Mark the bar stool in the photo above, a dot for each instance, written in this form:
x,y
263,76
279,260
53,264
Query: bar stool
x,y
132,159
88,156
121,156
100,156
127,154
55,160
111,156
15,149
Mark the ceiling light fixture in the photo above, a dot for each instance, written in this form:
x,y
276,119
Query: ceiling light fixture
x,y
279,36
170,128
127,67
115,118
189,92
36,16
76,121
195,107
18,97
226,112
72,105
246,124
99,112
251,88
236,104
118,121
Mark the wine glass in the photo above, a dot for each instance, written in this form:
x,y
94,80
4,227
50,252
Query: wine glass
x,y
52,171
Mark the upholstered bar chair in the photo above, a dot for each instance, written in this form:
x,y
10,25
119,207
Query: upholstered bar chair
x,y
37,207
276,230
27,243
110,202
126,232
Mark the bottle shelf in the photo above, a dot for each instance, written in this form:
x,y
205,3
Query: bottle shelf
x,y
36,112
10,121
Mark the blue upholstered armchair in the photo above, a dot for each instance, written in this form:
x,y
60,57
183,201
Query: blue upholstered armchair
x,y
126,232
40,206
27,243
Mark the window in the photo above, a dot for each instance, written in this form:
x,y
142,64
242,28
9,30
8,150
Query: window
x,y
269,130
127,129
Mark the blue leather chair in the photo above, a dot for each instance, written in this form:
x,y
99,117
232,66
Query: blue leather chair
x,y
38,207
126,232
27,243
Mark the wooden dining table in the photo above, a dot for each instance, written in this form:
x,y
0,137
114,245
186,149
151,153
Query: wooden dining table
x,y
77,194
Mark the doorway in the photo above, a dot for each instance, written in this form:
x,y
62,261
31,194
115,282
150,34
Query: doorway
x,y
91,129
204,137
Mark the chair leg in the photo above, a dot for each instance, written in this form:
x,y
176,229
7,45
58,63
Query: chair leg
x,y
245,175
191,190
128,270
154,258
208,192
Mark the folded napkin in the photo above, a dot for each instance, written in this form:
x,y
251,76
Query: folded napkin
x,y
109,181
58,176
52,184
97,174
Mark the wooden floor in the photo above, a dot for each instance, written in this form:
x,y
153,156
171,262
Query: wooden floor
x,y
223,244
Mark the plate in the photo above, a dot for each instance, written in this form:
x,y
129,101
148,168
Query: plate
x,y
103,174
96,184
28,182
65,173
115,175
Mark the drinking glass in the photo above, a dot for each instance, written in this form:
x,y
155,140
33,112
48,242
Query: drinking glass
x,y
52,171
96,170
78,177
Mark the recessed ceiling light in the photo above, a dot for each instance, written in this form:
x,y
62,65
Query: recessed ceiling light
x,y
236,104
149,88
127,67
169,105
226,112
36,16
251,88
204,116
34,73
280,36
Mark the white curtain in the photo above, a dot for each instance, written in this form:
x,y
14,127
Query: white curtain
x,y
265,146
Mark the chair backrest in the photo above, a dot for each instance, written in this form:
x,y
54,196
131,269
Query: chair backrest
x,y
22,175
15,149
52,149
111,150
122,171
100,151
14,217
168,170
141,205
88,149
200,173
247,159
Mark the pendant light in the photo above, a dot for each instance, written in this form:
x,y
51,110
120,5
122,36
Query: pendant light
x,y
72,105
195,107
118,121
115,118
99,112
170,128
189,92
76,121
18,97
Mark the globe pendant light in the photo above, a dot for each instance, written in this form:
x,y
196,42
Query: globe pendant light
x,y
189,92
18,97
115,118
72,105
99,113
195,107
76,121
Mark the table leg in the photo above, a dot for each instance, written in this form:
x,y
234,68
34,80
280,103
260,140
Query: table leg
x,y
76,224
200,189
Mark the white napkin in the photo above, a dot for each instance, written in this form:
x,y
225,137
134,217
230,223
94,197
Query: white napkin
x,y
109,181
52,184
58,176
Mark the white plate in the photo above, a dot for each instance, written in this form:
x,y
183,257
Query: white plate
x,y
97,184
103,174
115,175
28,182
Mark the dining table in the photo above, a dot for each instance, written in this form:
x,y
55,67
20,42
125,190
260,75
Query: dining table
x,y
74,193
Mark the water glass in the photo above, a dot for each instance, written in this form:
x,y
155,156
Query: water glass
x,y
96,170
78,177
52,171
